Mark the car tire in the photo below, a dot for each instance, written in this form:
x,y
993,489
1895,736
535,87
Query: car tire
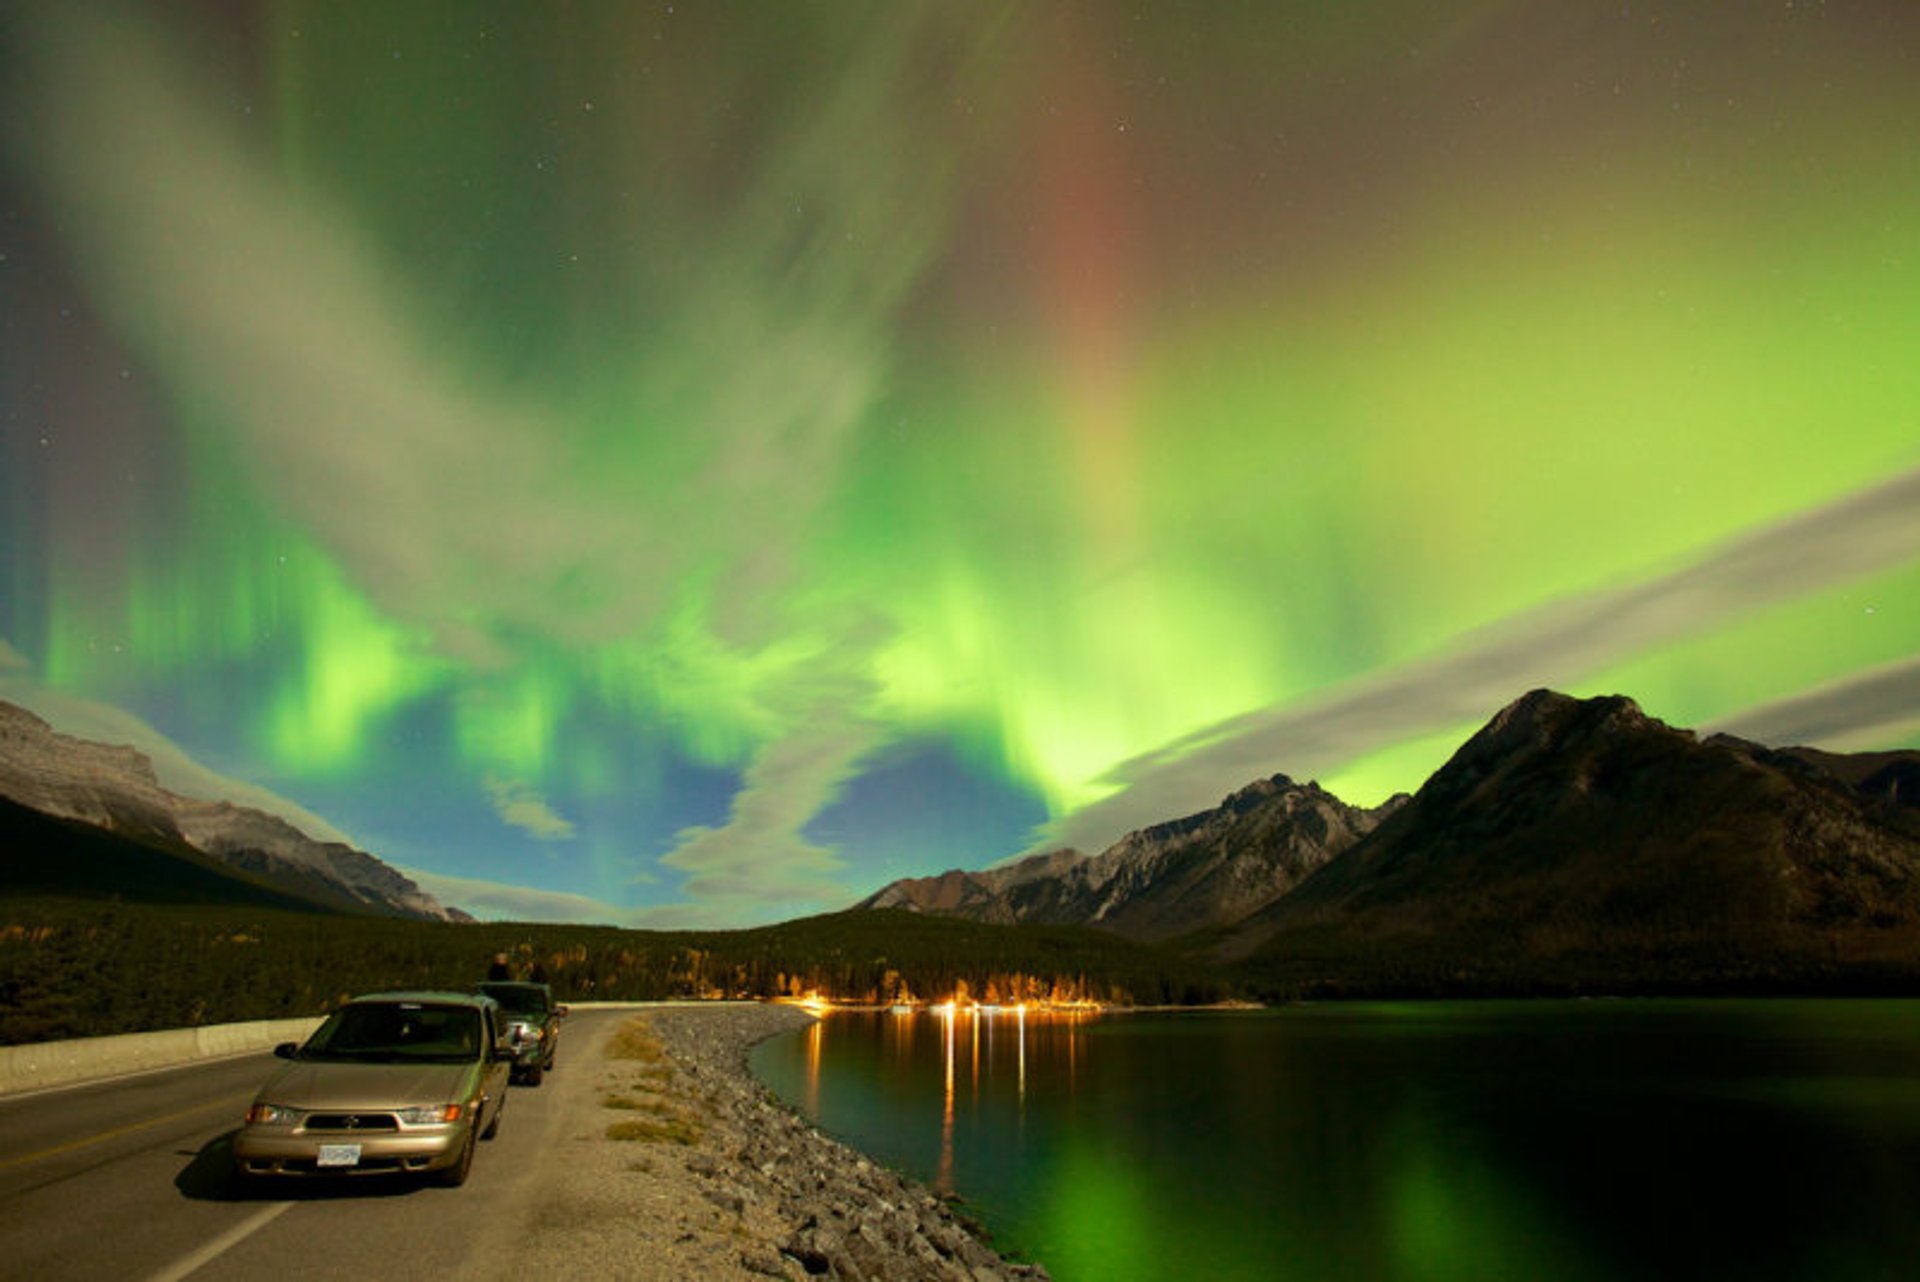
x,y
533,1074
456,1175
493,1126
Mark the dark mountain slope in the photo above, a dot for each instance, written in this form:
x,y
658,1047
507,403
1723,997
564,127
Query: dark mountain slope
x,y
44,856
1581,843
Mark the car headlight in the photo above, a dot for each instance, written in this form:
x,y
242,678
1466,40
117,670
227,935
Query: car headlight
x,y
263,1114
428,1114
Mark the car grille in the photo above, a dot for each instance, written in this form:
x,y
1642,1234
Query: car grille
x,y
352,1122
307,1166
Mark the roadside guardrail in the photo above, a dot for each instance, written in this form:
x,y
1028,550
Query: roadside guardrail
x,y
38,1065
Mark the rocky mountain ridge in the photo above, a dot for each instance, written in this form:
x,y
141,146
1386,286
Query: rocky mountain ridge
x,y
114,788
1205,870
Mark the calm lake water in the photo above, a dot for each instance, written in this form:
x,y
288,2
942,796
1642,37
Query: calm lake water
x,y
1548,1140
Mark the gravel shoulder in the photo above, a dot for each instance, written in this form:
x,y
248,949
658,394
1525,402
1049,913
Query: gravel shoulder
x,y
673,1162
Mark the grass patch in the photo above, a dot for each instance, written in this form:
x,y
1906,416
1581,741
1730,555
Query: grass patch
x,y
635,1040
662,1122
664,1130
657,1107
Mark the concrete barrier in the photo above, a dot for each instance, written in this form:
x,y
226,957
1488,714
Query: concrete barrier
x,y
84,1059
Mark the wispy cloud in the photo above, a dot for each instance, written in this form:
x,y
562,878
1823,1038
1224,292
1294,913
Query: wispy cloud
x,y
505,901
521,805
1860,711
438,492
1872,530
761,857
455,500
502,901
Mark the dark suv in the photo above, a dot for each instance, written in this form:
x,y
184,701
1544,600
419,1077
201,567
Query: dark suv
x,y
532,1025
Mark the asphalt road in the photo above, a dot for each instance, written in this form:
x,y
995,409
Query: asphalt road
x,y
129,1179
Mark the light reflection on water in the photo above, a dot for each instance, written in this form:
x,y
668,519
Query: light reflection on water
x,y
943,1176
1562,1140
816,1036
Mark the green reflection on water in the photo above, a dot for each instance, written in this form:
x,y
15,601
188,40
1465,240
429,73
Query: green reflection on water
x,y
1453,1217
1103,1212
1579,1142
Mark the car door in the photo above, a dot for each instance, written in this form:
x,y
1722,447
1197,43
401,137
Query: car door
x,y
493,1075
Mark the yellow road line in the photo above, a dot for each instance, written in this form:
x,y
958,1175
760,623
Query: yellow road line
x,y
70,1145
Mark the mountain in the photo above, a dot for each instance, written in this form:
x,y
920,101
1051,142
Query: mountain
x,y
1573,842
1204,871
68,859
1569,846
87,816
277,851
1890,780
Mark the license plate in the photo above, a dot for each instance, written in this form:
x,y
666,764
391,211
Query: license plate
x,y
339,1155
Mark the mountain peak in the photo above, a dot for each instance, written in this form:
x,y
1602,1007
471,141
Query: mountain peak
x,y
113,787
1548,723
1548,716
1569,827
1262,789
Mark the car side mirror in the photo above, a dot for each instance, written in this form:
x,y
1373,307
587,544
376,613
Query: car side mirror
x,y
560,1011
286,1050
501,1052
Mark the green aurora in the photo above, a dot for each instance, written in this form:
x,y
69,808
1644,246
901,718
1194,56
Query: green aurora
x,y
687,463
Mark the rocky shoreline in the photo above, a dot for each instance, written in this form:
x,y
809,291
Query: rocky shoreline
x,y
694,1169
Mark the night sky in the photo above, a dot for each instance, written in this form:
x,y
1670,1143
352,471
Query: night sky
x,y
693,463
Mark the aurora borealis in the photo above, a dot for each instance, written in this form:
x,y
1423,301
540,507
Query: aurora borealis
x,y
692,463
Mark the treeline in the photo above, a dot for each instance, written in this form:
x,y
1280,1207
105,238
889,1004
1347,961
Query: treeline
x,y
71,968
1477,960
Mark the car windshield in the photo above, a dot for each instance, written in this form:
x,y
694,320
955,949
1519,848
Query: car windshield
x,y
518,999
389,1032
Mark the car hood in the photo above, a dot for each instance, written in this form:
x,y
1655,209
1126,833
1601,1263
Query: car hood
x,y
340,1085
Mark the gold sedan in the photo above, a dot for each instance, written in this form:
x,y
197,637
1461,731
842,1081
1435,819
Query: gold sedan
x,y
390,1083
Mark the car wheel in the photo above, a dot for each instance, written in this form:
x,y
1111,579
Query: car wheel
x,y
493,1126
456,1175
534,1073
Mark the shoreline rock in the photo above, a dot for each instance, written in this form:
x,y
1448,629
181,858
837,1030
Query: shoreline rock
x,y
722,1180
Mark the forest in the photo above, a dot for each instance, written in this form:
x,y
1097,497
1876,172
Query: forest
x,y
77,968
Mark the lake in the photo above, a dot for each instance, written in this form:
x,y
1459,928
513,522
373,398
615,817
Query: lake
x,y
1399,1141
